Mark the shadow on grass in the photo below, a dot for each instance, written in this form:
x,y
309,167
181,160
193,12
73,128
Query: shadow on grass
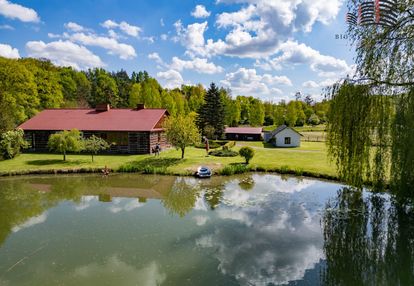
x,y
268,145
54,162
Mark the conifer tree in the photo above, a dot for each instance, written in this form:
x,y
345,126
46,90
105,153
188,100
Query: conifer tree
x,y
211,113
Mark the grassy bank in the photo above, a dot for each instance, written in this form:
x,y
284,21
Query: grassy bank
x,y
310,159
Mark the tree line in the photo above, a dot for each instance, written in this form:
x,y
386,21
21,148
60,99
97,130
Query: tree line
x,y
29,85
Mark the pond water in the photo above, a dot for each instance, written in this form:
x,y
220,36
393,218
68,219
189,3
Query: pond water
x,y
255,229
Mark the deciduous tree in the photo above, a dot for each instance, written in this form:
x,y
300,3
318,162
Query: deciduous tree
x,y
181,132
94,145
66,141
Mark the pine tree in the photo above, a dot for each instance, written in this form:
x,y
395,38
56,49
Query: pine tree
x,y
211,113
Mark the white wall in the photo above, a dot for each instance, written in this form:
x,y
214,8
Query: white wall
x,y
294,138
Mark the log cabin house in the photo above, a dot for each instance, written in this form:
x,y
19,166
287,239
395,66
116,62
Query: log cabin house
x,y
129,131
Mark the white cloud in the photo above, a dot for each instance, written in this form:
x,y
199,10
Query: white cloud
x,y
109,24
9,52
310,84
162,22
124,51
171,78
292,53
128,29
6,27
328,82
74,27
200,12
248,82
197,64
156,57
64,53
259,26
54,36
150,40
235,19
164,37
113,34
192,37
16,11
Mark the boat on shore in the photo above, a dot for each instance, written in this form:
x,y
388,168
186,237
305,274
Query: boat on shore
x,y
203,172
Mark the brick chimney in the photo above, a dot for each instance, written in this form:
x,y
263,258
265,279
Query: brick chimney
x,y
102,107
140,106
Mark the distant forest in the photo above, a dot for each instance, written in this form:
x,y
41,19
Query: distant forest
x,y
29,85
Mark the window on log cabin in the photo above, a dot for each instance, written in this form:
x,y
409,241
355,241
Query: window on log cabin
x,y
119,138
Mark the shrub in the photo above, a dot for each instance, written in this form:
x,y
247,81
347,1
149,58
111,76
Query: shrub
x,y
314,120
247,153
230,144
211,145
234,169
223,153
11,142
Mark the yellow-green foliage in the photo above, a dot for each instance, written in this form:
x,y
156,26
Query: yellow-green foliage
x,y
247,153
66,141
181,132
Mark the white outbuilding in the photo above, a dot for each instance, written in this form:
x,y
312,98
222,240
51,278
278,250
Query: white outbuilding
x,y
283,136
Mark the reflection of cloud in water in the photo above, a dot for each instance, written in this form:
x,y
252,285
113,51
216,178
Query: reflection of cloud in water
x,y
126,205
200,204
86,202
117,272
266,237
201,219
31,222
277,184
264,186
110,272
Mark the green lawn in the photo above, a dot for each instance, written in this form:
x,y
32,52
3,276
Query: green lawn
x,y
311,157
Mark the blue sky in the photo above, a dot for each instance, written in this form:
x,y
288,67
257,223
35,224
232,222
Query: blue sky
x,y
269,49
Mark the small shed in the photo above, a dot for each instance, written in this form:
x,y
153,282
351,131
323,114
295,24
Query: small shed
x,y
284,136
244,133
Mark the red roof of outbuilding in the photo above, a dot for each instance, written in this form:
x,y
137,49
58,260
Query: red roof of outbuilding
x,y
244,130
92,120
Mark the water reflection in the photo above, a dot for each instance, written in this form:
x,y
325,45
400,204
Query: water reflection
x,y
267,238
369,240
244,230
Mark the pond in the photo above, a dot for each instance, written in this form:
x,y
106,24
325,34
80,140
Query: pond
x,y
254,229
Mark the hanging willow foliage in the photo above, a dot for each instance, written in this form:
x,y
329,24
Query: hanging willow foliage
x,y
359,134
371,124
371,137
402,167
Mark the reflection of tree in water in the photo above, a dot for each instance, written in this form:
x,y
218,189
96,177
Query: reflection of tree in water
x,y
22,199
247,183
368,241
18,203
213,196
182,197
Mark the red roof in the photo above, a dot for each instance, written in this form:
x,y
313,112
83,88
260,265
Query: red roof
x,y
244,130
92,120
